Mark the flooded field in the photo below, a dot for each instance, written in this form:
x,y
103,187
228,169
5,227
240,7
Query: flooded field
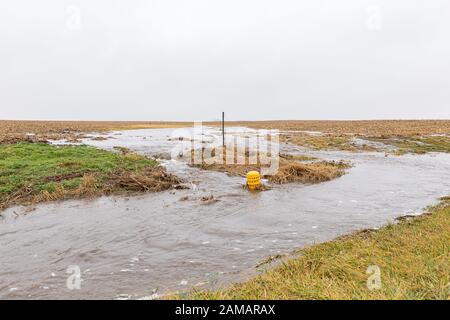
x,y
152,244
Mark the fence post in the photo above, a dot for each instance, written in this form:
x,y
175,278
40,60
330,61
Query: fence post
x,y
223,129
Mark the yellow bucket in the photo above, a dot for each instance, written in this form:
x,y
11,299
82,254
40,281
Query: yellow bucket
x,y
253,180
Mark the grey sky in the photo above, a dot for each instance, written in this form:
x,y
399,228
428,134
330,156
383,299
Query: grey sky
x,y
254,59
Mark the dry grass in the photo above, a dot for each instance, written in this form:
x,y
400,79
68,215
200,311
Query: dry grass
x,y
323,142
148,180
122,182
413,256
291,168
315,172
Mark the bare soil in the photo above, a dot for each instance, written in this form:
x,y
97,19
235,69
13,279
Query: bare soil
x,y
12,131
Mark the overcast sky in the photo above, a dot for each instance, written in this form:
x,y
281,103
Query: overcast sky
x,y
253,59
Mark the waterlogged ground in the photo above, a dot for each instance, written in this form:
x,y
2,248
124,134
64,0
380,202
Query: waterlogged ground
x,y
149,245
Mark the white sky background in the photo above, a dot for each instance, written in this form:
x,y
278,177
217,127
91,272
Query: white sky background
x,y
253,59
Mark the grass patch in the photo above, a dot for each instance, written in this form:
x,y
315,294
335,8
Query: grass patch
x,y
324,142
417,144
402,144
314,172
35,172
413,256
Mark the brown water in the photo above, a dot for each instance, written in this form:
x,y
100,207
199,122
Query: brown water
x,y
155,243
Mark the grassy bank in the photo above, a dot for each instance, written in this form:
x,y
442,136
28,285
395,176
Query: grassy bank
x,y
413,257
35,172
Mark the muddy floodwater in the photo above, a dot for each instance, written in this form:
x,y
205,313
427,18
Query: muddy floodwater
x,y
148,245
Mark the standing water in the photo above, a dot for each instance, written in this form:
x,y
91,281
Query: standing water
x,y
152,244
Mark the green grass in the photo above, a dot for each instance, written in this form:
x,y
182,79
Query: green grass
x,y
417,144
413,257
39,168
422,145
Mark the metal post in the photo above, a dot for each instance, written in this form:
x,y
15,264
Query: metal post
x,y
223,129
